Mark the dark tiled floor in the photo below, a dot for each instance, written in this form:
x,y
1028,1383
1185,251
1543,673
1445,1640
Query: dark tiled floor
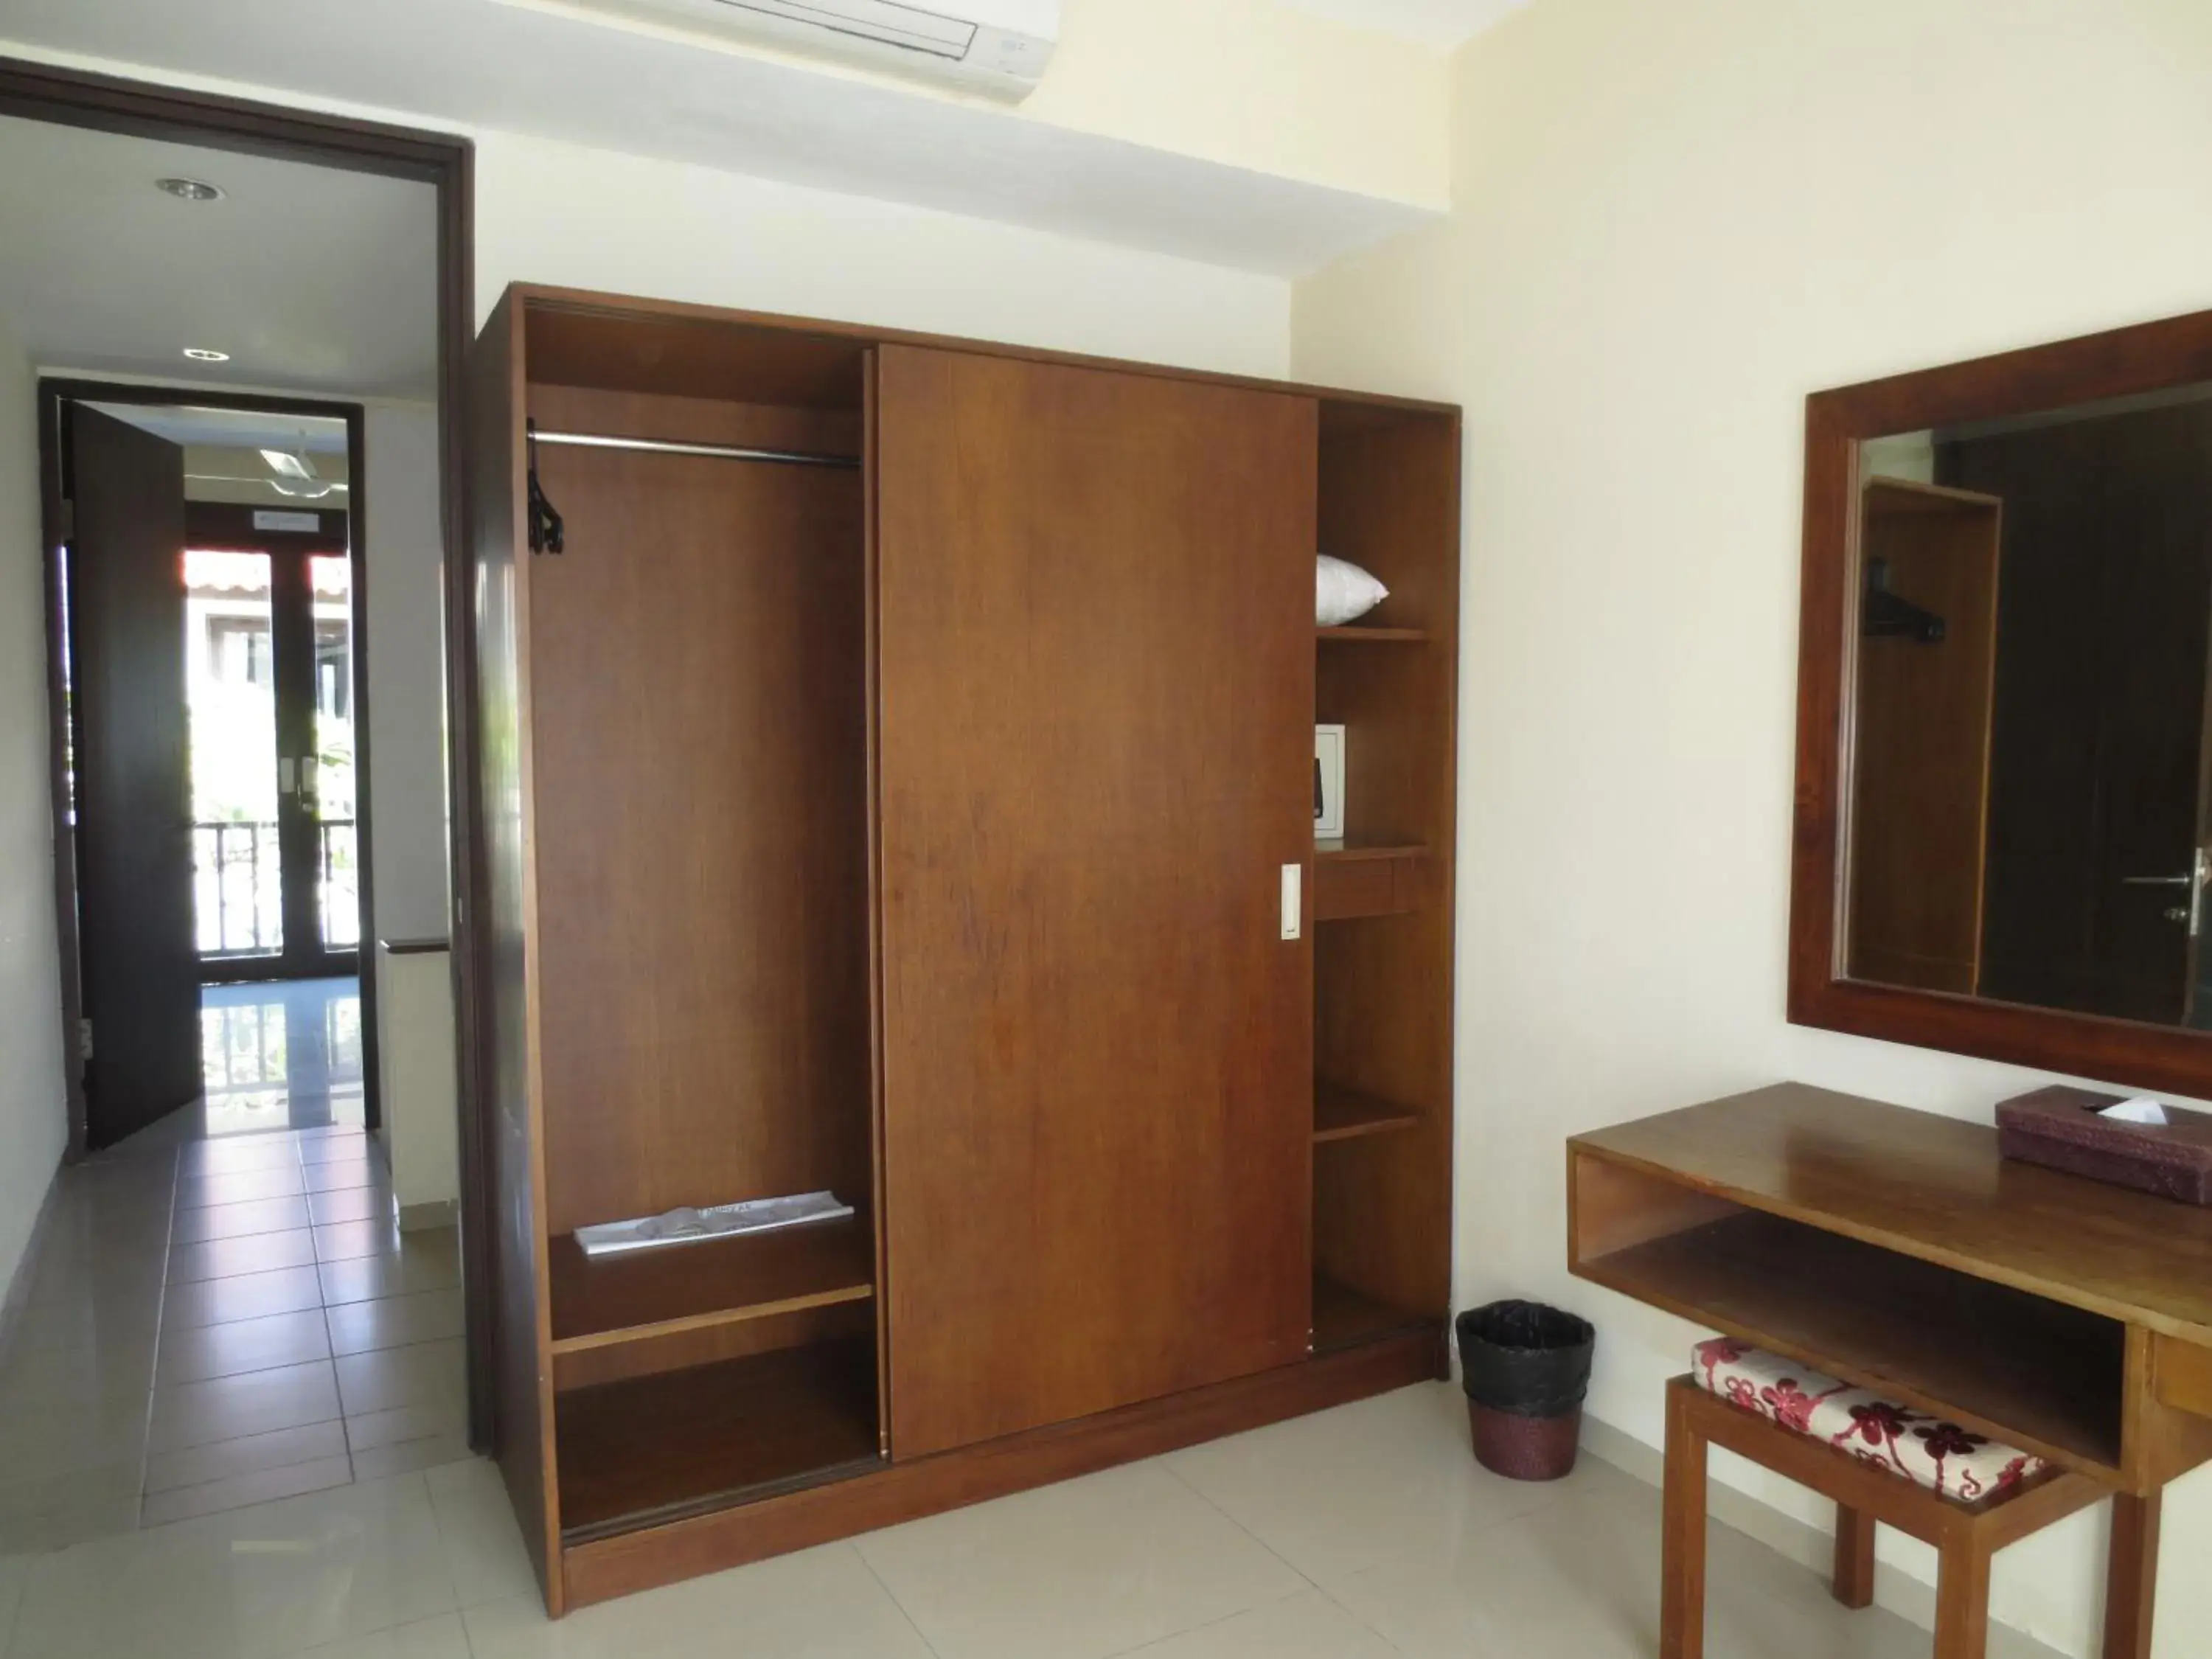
x,y
221,1312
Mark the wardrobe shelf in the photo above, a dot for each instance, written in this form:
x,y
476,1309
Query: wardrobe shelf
x,y
1354,851
1344,1318
1342,1114
685,1287
1354,882
649,1449
1375,635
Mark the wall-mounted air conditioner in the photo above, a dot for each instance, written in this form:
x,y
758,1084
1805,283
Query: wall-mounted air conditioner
x,y
997,47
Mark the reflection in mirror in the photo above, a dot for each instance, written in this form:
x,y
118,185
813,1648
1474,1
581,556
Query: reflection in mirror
x,y
2028,816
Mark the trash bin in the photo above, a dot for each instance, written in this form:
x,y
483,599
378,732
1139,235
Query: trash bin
x,y
1526,1369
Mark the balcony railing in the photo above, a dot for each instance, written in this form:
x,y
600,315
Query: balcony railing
x,y
238,891
237,888
337,887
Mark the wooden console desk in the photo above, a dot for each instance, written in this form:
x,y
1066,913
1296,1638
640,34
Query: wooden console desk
x,y
1897,1250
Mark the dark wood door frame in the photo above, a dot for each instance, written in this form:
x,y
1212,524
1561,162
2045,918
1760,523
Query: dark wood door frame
x,y
41,92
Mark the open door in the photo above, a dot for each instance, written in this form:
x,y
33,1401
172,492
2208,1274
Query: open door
x,y
140,963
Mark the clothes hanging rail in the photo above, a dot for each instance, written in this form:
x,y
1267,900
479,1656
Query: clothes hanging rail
x,y
712,451
547,533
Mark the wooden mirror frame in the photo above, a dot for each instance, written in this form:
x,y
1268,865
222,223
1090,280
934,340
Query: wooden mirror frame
x,y
2125,363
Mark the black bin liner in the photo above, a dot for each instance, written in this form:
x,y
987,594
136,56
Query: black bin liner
x,y
1525,1358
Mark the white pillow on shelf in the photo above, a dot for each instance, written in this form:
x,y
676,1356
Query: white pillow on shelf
x,y
1343,591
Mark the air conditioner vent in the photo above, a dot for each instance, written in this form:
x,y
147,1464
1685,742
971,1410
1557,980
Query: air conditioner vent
x,y
996,47
875,20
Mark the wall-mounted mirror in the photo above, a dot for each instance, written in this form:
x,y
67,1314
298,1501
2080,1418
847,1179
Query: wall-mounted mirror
x,y
2028,782
2005,766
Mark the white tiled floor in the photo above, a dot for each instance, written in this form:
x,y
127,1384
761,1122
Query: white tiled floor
x,y
282,1055
216,1319
1357,1534
230,1429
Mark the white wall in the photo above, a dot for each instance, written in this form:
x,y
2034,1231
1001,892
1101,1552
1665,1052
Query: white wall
x,y
34,1110
1241,81
420,1077
406,671
416,1077
1672,221
557,213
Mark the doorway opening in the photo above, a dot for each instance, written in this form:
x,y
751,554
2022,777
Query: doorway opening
x,y
211,665
305,314
273,709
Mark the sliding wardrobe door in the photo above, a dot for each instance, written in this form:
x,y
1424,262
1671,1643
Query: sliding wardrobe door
x,y
1096,682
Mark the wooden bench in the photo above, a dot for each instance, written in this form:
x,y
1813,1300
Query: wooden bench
x,y
1965,1535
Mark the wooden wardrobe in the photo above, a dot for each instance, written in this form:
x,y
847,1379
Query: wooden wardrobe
x,y
899,782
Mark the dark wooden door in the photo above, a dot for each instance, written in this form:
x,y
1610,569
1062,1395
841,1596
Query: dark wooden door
x,y
1096,683
2158,508
2095,787
140,963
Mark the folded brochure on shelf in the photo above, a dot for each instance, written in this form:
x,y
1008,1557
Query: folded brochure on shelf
x,y
689,1226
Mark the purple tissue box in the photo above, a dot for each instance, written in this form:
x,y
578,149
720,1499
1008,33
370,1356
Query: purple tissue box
x,y
2059,1127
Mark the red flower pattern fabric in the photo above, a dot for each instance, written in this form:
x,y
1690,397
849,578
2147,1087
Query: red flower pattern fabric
x,y
1789,1404
1912,1445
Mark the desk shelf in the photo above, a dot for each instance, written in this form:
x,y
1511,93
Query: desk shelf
x,y
2036,1373
2039,1374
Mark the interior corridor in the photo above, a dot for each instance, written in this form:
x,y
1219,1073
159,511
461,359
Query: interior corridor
x,y
221,1310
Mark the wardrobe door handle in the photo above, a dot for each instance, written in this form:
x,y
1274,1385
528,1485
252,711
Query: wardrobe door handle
x,y
1293,899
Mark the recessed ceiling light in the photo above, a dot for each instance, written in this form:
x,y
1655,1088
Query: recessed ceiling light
x,y
203,355
191,189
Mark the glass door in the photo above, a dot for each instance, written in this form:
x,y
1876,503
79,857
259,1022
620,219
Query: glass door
x,y
238,897
270,681
326,781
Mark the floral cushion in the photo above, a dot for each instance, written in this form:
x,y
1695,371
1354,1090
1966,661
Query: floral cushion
x,y
1940,1455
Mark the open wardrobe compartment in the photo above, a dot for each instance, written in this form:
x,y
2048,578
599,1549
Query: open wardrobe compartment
x,y
895,782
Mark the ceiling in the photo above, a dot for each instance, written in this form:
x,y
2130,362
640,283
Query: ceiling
x,y
312,279
223,459
544,68
235,428
1433,22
